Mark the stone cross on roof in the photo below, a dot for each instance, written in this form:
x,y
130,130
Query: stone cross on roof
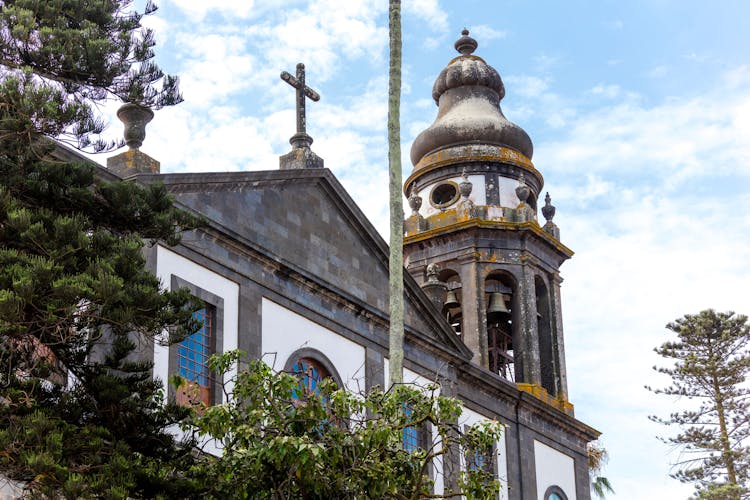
x,y
302,91
301,155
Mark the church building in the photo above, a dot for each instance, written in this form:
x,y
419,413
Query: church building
x,y
291,271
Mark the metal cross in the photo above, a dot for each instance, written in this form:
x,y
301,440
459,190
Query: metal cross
x,y
303,90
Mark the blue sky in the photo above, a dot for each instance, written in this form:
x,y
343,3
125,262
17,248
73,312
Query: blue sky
x,y
640,116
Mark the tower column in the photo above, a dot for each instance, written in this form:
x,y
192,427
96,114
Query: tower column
x,y
529,339
558,336
473,309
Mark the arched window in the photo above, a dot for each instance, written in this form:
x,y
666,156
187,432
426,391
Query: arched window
x,y
555,493
312,367
311,373
498,297
452,308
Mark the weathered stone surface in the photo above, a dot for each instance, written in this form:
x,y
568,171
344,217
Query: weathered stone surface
x,y
132,162
299,158
468,93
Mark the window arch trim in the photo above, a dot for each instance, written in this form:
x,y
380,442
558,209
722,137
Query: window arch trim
x,y
317,356
555,490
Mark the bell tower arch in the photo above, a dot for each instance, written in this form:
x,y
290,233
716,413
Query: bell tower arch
x,y
474,195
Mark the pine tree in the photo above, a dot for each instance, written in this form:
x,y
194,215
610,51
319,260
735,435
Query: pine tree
x,y
711,365
80,415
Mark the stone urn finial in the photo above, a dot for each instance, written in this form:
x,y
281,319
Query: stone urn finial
x,y
135,117
466,45
548,210
415,201
522,190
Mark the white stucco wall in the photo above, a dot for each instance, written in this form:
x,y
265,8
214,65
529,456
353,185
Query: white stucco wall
x,y
283,332
170,264
507,189
554,468
470,417
10,490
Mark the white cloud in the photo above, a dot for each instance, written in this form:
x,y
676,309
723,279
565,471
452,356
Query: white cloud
x,y
526,85
609,91
485,33
545,62
647,197
429,11
684,137
215,66
198,10
658,71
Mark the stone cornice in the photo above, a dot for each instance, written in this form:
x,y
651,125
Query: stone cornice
x,y
530,227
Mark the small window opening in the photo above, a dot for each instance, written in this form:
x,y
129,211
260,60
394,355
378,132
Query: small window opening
x,y
444,195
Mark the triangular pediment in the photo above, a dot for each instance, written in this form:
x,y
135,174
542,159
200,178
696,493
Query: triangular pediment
x,y
305,220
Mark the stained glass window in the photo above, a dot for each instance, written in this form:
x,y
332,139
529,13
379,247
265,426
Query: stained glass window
x,y
192,360
480,460
555,493
311,374
414,436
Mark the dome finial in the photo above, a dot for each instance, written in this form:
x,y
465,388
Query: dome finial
x,y
466,45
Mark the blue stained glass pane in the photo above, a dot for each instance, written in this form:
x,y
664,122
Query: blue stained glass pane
x,y
410,438
193,352
310,375
554,496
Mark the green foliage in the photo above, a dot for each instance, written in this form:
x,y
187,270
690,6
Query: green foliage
x,y
80,415
711,364
597,457
330,445
60,57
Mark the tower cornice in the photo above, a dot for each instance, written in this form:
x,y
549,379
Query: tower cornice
x,y
530,227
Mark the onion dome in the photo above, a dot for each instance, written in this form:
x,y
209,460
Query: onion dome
x,y
468,93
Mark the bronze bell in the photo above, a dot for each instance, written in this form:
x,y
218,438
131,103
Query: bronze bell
x,y
497,304
451,300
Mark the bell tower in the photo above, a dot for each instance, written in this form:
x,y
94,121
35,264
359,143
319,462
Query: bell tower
x,y
473,239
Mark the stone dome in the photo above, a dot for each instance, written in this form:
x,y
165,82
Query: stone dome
x,y
468,93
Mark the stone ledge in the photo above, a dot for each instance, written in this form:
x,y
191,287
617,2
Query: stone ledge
x,y
541,393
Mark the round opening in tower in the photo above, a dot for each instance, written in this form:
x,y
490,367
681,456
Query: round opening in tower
x,y
444,195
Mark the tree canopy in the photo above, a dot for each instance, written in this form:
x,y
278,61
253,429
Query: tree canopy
x,y
280,441
80,415
711,361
